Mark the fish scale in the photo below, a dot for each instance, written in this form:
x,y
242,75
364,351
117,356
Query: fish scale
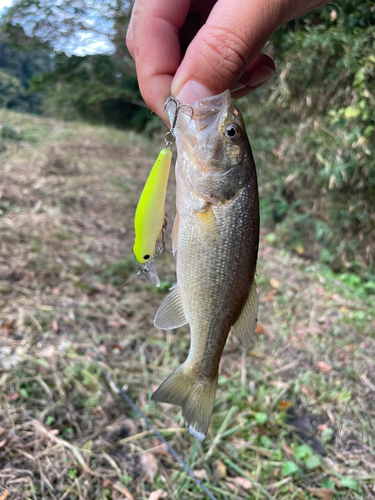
x,y
217,229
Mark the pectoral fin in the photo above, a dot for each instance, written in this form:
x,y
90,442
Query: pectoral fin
x,y
208,226
171,313
245,326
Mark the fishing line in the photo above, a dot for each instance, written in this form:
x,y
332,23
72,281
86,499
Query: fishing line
x,y
116,389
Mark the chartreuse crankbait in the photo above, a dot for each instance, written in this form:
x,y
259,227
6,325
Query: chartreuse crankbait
x,y
150,219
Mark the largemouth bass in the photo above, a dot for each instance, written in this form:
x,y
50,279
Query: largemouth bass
x,y
215,237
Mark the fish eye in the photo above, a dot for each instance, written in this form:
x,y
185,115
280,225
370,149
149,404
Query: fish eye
x,y
232,132
146,257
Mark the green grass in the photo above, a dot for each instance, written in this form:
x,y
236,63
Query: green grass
x,y
70,297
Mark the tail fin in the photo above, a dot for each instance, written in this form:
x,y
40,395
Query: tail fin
x,y
195,395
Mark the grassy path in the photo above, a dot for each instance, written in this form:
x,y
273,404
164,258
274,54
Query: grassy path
x,y
293,418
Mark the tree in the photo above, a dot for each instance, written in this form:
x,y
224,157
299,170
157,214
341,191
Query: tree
x,y
99,87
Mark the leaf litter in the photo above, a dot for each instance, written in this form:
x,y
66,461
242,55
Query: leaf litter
x,y
69,295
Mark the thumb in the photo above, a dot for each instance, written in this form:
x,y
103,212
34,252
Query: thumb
x,y
225,52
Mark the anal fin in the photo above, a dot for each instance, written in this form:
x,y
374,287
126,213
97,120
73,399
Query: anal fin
x,y
245,325
171,313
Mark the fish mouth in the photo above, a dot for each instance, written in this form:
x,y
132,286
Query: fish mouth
x,y
202,114
205,120
213,104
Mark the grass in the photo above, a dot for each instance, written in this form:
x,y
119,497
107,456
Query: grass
x,y
294,415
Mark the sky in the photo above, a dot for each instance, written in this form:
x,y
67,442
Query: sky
x,y
5,3
83,44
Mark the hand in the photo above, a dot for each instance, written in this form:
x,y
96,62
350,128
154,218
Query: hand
x,y
198,48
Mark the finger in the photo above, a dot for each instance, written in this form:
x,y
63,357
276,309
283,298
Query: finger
x,y
260,70
225,46
153,42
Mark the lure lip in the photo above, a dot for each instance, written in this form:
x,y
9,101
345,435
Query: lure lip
x,y
149,270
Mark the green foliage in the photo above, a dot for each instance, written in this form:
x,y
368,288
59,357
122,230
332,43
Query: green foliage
x,y
97,88
288,468
10,88
100,88
17,67
8,132
349,482
261,418
322,192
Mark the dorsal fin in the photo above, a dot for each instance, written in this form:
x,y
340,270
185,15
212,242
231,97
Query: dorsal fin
x,y
245,325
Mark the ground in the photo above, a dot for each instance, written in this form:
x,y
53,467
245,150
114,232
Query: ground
x,y
294,415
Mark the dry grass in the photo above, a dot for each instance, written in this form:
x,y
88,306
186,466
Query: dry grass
x,y
69,296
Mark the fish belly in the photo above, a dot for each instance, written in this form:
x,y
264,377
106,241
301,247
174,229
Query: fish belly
x,y
216,259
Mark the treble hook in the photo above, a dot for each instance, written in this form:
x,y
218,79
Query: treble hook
x,y
169,137
160,250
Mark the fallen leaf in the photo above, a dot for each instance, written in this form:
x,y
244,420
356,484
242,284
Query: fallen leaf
x,y
242,482
8,324
313,330
307,391
274,283
259,330
13,396
220,469
55,325
4,495
270,297
231,486
3,442
322,427
156,495
115,324
279,384
284,404
343,309
299,249
160,449
287,449
142,399
201,474
149,465
103,349
323,493
123,490
98,410
47,352
238,444
323,367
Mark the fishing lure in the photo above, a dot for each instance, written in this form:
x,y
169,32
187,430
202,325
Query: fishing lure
x,y
150,219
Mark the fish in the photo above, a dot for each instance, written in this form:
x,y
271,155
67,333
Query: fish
x,y
150,215
215,240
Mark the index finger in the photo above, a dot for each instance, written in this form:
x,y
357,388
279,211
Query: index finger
x,y
153,41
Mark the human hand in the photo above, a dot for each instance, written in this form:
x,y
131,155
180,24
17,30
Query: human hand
x,y
199,48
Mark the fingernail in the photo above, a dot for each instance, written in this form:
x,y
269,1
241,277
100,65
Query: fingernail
x,y
259,76
192,91
237,86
